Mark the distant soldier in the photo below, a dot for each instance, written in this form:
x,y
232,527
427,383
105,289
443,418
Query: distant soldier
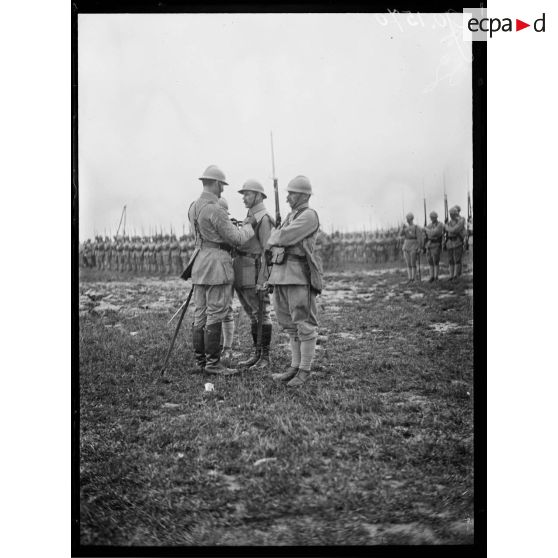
x,y
433,232
297,278
456,231
411,245
165,249
251,272
175,261
184,252
212,271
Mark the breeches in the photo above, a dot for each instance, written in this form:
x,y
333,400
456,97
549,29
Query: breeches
x,y
212,304
455,255
410,258
249,300
295,307
433,253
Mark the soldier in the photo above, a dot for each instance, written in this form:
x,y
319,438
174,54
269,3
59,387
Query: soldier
x,y
165,249
251,272
175,261
434,232
411,245
212,271
456,233
227,330
297,278
184,253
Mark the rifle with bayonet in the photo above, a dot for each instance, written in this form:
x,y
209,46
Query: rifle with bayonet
x,y
264,289
469,220
446,218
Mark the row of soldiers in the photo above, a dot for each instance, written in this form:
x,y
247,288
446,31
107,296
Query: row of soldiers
x,y
161,254
167,254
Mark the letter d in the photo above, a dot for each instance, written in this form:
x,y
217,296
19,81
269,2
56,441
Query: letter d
x,y
541,30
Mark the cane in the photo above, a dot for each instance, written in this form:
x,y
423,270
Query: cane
x,y
185,307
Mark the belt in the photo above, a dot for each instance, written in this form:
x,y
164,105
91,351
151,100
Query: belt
x,y
209,244
295,257
248,255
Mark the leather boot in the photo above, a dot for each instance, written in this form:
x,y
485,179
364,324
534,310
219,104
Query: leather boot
x,y
264,362
212,340
198,334
287,375
256,356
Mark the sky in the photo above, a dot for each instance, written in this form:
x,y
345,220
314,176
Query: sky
x,y
376,109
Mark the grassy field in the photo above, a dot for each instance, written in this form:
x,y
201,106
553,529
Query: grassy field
x,y
377,448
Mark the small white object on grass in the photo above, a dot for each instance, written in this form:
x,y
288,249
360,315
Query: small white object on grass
x,y
209,387
264,460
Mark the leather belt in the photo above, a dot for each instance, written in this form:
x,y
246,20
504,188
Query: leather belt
x,y
220,246
295,257
248,255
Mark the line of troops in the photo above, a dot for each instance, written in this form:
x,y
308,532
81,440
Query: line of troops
x,y
161,254
167,254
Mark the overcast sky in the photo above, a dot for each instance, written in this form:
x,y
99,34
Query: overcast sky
x,y
368,106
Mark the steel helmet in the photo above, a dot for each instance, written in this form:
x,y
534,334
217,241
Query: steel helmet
x,y
410,216
454,209
252,185
213,172
300,184
433,214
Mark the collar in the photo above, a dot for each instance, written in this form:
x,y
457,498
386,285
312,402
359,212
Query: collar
x,y
209,196
258,211
299,207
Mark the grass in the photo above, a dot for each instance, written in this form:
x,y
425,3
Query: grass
x,y
377,448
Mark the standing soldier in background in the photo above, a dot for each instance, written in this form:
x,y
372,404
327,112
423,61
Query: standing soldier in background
x,y
297,278
212,270
434,232
251,272
184,253
175,261
456,232
166,255
411,245
159,255
126,254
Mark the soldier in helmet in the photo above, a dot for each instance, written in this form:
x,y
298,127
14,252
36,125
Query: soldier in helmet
x,y
433,232
411,245
297,278
456,232
212,271
251,272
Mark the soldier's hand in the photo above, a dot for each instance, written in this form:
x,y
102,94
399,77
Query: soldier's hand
x,y
250,220
263,288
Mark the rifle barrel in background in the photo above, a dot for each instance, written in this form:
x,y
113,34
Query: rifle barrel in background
x,y
275,187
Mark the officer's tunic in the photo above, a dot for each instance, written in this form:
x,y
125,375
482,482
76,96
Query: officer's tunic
x,y
294,300
212,272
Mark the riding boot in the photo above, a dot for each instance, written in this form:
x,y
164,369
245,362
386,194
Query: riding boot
x,y
212,339
198,334
264,362
256,356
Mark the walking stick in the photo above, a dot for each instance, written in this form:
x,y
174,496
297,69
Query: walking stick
x,y
185,307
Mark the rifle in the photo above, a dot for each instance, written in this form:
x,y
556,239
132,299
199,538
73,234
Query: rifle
x,y
469,220
446,217
261,293
184,308
275,188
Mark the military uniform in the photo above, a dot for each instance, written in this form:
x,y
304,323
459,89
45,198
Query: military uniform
x,y
411,245
212,272
296,282
456,232
250,269
434,232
